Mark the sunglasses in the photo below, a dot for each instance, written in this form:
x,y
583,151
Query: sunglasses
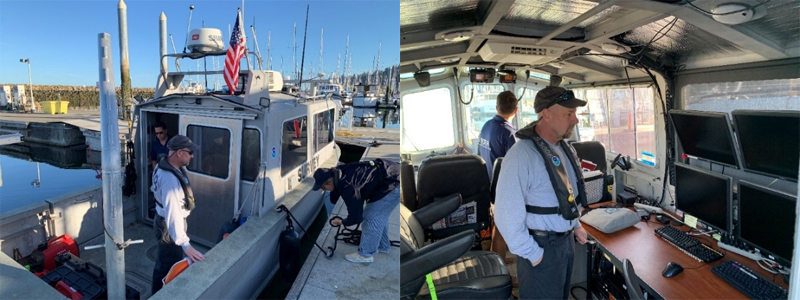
x,y
565,96
190,152
159,132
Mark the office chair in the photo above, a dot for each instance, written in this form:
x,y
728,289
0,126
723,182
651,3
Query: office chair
x,y
632,281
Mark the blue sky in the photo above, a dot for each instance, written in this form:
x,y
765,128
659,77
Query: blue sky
x,y
60,37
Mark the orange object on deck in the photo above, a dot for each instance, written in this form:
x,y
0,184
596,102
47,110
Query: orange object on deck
x,y
68,291
176,269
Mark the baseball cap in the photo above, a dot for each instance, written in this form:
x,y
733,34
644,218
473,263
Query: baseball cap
x,y
320,176
181,141
552,95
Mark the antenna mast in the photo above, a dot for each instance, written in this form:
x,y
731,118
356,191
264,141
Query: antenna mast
x,y
303,55
294,50
269,54
255,42
186,40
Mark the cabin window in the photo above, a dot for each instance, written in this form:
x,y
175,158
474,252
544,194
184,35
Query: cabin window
x,y
622,119
780,94
427,120
482,108
525,112
215,150
294,144
251,154
323,129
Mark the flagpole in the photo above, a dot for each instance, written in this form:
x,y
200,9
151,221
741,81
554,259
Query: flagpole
x,y
241,28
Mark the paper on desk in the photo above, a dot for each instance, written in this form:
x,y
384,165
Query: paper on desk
x,y
690,220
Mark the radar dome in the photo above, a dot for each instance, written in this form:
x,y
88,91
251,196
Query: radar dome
x,y
205,40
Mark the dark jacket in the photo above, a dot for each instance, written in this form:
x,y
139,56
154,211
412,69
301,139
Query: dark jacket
x,y
361,182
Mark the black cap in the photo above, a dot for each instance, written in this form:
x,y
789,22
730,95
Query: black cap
x,y
556,95
181,141
320,176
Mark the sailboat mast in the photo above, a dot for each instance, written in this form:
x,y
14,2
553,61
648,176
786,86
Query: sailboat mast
x,y
294,50
321,65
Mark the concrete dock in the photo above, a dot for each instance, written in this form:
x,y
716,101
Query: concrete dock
x,y
46,128
336,278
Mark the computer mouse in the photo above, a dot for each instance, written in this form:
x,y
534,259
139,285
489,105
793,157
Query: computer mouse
x,y
672,269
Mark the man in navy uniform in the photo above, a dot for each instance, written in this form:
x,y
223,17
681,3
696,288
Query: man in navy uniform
x,y
497,135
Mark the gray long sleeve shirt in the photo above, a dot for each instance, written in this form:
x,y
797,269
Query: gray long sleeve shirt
x,y
524,181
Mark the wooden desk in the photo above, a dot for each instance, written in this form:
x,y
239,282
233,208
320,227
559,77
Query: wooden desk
x,y
650,254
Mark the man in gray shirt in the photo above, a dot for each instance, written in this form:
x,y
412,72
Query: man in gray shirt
x,y
544,241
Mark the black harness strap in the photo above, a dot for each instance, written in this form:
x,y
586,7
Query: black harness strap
x,y
182,179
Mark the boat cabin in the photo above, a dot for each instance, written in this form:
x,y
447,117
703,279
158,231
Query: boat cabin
x,y
693,105
255,145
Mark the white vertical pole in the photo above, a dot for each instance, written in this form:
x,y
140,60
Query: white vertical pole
x,y
112,171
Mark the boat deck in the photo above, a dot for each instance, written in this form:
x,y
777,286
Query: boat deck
x,y
336,278
139,258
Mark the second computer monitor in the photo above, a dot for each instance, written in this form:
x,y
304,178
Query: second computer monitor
x,y
705,195
766,219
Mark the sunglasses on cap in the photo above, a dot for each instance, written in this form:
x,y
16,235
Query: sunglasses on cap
x,y
565,96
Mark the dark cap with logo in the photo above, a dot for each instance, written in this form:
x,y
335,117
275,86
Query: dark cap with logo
x,y
320,176
180,142
552,95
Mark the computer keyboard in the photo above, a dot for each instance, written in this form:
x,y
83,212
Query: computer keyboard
x,y
688,244
748,282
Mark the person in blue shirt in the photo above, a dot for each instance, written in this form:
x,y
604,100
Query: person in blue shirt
x,y
497,136
159,148
374,182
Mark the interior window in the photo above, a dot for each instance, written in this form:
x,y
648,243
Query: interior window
x,y
622,119
294,145
215,150
525,111
780,94
427,121
251,154
482,108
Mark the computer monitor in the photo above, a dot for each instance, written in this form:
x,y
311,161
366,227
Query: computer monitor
x,y
705,135
769,141
766,220
704,195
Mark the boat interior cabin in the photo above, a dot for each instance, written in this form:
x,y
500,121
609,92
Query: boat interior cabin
x,y
693,110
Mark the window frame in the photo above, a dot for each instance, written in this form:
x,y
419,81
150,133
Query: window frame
x,y
260,153
607,127
195,160
453,111
287,173
331,132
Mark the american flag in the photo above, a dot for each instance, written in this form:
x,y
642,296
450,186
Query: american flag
x,y
236,50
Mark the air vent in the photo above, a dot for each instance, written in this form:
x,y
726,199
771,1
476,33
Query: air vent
x,y
529,50
515,53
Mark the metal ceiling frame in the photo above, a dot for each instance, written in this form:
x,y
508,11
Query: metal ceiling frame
x,y
425,48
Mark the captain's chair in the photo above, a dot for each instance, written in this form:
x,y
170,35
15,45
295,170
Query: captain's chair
x,y
456,273
466,175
